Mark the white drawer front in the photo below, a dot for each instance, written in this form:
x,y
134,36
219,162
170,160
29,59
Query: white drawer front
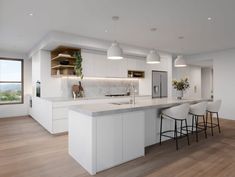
x,y
60,126
60,113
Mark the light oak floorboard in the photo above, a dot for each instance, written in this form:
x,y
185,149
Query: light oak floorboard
x,y
27,150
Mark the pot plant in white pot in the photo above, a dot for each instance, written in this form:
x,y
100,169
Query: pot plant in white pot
x,y
181,86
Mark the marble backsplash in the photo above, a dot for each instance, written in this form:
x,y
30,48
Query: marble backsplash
x,y
99,87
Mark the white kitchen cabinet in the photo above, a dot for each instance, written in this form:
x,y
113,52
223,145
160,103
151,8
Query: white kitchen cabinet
x,y
102,142
133,135
99,66
136,64
109,141
120,138
93,65
53,115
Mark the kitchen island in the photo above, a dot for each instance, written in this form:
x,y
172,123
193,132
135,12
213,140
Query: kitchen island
x,y
104,135
54,117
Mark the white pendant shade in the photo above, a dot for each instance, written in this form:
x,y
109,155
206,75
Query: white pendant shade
x,y
115,52
180,61
153,57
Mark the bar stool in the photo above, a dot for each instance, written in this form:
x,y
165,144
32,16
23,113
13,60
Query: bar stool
x,y
198,110
213,108
178,114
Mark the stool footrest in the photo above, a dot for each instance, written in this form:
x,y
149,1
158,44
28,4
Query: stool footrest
x,y
212,125
172,131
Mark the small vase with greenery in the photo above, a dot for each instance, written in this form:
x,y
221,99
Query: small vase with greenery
x,y
78,64
181,86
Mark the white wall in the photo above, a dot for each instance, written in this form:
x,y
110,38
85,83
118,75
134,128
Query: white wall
x,y
193,73
223,79
224,84
18,109
207,83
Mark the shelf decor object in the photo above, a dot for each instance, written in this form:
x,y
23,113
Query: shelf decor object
x,y
181,86
135,74
180,61
63,61
153,57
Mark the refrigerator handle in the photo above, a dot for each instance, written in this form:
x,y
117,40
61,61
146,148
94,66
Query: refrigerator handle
x,y
156,89
160,86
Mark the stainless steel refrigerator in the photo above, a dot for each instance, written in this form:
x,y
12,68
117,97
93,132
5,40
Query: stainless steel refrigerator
x,y
159,84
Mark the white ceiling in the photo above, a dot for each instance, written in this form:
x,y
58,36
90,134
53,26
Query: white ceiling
x,y
173,18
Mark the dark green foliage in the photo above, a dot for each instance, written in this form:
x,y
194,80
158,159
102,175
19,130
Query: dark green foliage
x,y
78,64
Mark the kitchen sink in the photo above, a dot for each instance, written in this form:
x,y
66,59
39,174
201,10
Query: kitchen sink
x,y
121,103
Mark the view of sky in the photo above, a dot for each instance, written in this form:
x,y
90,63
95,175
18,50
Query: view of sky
x,y
10,70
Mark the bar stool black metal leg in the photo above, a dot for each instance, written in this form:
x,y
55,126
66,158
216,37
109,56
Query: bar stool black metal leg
x,y
181,127
204,123
186,125
196,121
192,123
218,121
161,131
212,133
206,118
176,136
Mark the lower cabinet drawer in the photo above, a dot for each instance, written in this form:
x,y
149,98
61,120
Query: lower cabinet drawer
x,y
60,126
60,113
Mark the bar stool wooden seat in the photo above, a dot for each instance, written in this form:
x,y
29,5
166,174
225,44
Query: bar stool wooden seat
x,y
177,114
213,108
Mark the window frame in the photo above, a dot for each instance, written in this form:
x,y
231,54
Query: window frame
x,y
22,79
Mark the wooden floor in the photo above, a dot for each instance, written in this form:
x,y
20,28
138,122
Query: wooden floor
x,y
27,150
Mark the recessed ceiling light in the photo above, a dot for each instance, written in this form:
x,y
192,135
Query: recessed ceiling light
x,y
209,18
153,29
181,37
30,14
115,18
106,30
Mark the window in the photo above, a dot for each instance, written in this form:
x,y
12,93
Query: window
x,y
11,81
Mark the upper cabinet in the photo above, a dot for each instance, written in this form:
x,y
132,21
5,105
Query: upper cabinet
x,y
97,65
94,64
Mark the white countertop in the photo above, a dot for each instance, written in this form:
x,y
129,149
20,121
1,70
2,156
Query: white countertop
x,y
141,104
65,99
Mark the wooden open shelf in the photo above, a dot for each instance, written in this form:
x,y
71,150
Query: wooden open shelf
x,y
56,58
62,66
61,58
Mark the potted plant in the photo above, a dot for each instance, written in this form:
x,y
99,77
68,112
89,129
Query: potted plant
x,y
181,86
78,64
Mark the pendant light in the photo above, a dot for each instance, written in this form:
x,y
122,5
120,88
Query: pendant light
x,y
180,61
115,52
153,57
